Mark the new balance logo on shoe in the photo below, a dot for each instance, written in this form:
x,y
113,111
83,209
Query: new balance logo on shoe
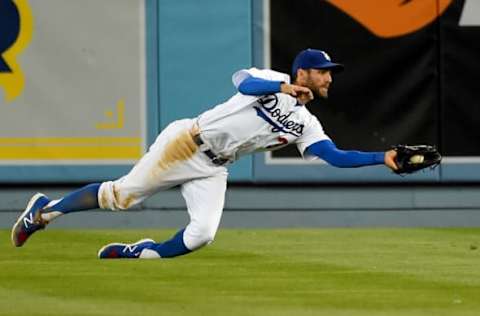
x,y
129,248
28,220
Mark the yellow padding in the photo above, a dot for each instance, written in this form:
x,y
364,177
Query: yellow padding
x,y
56,148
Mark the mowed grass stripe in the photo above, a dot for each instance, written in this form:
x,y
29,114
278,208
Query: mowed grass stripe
x,y
248,272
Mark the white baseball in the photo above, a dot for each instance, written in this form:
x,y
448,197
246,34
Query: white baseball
x,y
417,159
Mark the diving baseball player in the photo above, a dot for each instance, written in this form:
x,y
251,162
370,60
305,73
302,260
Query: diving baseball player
x,y
267,113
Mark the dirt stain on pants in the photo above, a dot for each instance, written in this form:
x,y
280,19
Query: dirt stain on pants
x,y
122,204
180,148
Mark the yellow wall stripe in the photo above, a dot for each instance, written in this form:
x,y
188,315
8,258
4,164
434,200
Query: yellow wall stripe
x,y
68,140
69,152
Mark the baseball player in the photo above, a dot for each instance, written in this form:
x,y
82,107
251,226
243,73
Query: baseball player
x,y
267,113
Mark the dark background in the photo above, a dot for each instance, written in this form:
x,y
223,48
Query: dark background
x,y
416,88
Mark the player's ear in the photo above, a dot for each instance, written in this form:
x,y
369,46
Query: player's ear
x,y
301,75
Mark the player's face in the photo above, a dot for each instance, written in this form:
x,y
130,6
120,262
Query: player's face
x,y
318,80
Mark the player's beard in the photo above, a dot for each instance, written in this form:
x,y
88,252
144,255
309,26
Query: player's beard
x,y
323,92
318,91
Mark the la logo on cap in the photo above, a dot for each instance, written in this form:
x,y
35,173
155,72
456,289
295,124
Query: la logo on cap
x,y
326,56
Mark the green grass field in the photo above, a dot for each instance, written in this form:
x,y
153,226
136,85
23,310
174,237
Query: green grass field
x,y
248,272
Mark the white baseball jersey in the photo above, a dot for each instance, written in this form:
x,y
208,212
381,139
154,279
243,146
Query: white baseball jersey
x,y
245,124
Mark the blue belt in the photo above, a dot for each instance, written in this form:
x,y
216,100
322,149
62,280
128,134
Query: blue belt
x,y
219,161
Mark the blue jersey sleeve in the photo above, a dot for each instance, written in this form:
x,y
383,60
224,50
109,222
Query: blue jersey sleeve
x,y
257,86
327,151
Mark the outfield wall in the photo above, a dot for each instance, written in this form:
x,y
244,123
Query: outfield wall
x,y
85,91
267,206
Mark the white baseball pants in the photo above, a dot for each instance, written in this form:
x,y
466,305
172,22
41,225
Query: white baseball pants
x,y
174,159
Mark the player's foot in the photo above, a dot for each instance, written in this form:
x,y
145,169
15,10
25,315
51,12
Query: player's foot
x,y
127,251
30,221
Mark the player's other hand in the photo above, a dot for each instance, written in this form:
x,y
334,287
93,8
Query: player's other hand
x,y
390,159
303,94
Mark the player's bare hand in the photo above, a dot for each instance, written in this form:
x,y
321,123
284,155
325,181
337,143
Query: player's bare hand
x,y
303,94
390,159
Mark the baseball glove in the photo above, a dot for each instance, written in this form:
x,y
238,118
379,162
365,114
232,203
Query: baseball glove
x,y
411,158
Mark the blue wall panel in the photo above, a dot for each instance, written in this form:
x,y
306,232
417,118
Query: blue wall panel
x,y
201,44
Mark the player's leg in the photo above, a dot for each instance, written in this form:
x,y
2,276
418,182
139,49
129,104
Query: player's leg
x,y
85,198
120,194
41,210
145,178
205,199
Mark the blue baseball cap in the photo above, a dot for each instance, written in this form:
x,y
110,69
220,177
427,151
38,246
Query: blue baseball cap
x,y
314,59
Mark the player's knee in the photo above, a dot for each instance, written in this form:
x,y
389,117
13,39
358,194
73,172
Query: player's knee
x,y
198,236
110,196
205,237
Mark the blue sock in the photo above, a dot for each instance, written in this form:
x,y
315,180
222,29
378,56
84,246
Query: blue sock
x,y
82,199
172,247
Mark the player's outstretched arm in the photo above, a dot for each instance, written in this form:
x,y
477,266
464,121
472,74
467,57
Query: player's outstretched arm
x,y
327,151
